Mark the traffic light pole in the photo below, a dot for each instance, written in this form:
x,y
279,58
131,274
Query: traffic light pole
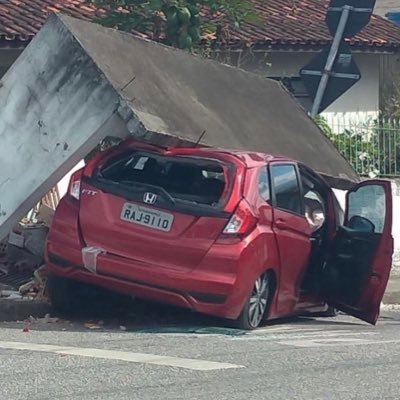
x,y
331,60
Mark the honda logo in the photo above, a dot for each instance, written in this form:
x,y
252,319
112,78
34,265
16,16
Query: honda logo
x,y
150,198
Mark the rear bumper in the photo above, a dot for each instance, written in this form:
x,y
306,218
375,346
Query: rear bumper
x,y
197,293
216,287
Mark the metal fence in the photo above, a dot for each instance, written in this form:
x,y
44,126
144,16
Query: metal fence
x,y
371,147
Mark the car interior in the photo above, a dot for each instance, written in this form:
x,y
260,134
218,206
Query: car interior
x,y
202,183
315,198
339,269
348,266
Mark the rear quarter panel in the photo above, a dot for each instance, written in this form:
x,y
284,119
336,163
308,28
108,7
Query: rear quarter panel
x,y
64,238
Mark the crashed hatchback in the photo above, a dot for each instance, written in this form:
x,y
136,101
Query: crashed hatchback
x,y
238,235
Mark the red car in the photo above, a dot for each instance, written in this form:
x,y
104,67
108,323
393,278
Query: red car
x,y
239,235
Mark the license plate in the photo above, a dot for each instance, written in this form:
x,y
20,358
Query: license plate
x,y
147,217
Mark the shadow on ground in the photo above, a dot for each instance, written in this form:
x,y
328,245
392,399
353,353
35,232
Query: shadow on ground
x,y
112,312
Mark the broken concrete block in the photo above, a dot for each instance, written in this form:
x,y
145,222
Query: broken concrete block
x,y
16,239
22,259
35,239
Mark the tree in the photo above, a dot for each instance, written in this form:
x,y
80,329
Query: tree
x,y
177,22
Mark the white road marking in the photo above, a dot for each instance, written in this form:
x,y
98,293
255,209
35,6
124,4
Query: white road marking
x,y
335,342
326,334
278,329
187,363
299,334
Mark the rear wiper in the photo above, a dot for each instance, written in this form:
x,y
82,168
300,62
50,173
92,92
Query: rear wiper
x,y
158,189
136,185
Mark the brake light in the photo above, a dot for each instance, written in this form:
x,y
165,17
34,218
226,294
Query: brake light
x,y
242,221
74,189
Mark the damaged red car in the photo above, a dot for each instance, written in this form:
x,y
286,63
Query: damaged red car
x,y
239,235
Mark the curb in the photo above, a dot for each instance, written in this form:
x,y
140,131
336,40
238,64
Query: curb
x,y
19,310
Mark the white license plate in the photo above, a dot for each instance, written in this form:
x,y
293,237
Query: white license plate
x,y
147,217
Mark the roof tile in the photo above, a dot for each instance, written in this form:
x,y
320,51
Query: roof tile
x,y
284,23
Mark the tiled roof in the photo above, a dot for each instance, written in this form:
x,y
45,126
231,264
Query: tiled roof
x,y
302,22
22,19
285,23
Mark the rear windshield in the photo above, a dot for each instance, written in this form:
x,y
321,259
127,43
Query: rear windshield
x,y
188,179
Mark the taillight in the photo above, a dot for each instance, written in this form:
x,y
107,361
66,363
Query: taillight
x,y
242,221
74,189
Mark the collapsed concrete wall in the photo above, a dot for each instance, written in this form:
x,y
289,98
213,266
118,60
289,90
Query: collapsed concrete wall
x,y
78,82
54,108
172,91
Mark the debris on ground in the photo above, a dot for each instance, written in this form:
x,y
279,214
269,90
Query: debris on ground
x,y
47,319
92,326
30,322
23,274
27,326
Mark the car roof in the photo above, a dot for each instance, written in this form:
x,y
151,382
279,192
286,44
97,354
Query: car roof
x,y
250,158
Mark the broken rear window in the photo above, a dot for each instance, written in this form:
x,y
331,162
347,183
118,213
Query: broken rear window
x,y
176,178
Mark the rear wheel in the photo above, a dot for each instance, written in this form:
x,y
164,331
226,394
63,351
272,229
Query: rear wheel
x,y
257,304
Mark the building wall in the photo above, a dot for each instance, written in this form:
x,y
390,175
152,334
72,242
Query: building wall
x,y
384,6
396,221
360,103
389,79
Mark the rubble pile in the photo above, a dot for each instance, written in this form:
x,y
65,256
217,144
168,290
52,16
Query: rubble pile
x,y
23,274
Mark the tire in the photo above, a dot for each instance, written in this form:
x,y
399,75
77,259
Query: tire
x,y
64,295
257,304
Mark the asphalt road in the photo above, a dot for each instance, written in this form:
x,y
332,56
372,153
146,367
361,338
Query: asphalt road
x,y
337,358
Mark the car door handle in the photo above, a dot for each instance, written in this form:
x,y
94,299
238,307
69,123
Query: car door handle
x,y
281,224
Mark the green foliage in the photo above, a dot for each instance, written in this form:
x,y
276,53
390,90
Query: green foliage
x,y
372,150
179,21
387,144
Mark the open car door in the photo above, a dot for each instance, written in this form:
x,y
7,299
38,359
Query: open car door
x,y
358,266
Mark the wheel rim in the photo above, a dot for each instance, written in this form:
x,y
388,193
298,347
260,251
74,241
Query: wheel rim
x,y
258,300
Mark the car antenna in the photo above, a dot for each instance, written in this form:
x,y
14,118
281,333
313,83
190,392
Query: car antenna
x,y
201,137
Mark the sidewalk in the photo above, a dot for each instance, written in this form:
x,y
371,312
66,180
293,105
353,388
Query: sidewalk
x,y
392,295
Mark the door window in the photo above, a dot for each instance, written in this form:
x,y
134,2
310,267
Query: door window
x,y
367,209
286,188
263,185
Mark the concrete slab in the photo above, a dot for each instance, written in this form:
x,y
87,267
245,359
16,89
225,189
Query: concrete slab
x,y
78,82
174,92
